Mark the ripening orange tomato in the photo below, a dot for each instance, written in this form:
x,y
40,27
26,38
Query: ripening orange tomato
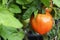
x,y
42,23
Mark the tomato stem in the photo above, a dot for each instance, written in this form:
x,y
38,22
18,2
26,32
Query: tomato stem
x,y
51,3
45,37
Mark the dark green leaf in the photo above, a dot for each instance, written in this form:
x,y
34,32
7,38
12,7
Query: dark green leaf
x,y
0,2
46,2
58,30
28,13
57,13
53,32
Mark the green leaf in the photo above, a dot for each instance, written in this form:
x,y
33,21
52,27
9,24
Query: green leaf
x,y
0,2
0,29
53,32
11,33
14,8
6,31
28,13
22,2
4,2
57,2
46,2
35,13
9,20
58,30
57,13
16,36
5,10
23,7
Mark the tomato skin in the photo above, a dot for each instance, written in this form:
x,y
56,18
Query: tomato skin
x,y
42,23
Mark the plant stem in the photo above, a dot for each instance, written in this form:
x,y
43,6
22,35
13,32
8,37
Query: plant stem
x,y
7,5
45,37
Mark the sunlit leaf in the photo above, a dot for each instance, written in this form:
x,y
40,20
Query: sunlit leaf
x,y
11,33
7,19
57,2
4,2
16,36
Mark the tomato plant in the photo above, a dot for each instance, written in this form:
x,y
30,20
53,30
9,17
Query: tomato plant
x,y
15,18
42,23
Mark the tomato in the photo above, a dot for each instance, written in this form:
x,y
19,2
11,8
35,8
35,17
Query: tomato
x,y
42,23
